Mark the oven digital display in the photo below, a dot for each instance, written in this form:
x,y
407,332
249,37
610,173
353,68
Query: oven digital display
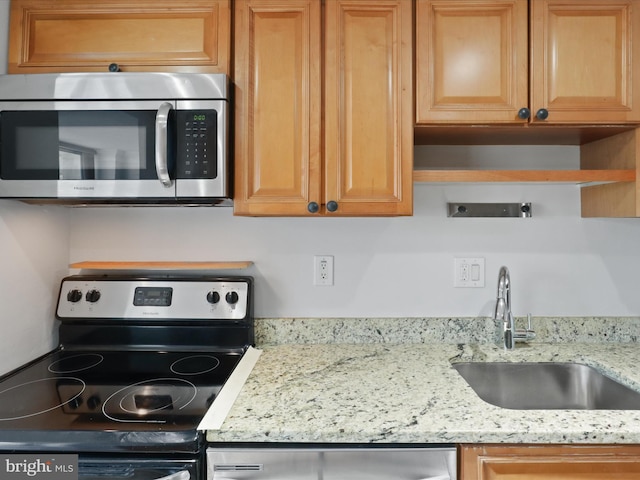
x,y
153,296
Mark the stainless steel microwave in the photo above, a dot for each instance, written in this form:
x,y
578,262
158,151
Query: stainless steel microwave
x,y
104,138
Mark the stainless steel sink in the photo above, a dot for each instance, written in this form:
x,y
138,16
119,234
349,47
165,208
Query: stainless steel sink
x,y
563,386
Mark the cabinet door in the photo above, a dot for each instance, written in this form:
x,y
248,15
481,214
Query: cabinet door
x,y
138,35
277,106
368,107
471,60
550,462
586,60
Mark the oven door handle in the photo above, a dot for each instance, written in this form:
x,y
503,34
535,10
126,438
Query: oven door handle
x,y
162,164
183,475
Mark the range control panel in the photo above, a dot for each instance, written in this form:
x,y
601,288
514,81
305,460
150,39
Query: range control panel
x,y
219,298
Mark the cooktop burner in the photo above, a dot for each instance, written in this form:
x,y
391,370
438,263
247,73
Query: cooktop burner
x,y
34,397
76,363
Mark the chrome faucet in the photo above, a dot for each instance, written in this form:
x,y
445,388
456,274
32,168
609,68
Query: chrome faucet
x,y
504,314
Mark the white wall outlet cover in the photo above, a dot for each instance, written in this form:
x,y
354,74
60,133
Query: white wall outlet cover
x,y
323,270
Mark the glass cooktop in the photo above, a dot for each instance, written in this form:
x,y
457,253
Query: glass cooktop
x,y
113,391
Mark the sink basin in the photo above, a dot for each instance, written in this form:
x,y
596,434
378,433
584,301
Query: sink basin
x,y
563,386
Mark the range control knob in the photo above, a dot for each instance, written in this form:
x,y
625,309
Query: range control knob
x,y
213,297
75,402
231,297
74,295
93,296
93,402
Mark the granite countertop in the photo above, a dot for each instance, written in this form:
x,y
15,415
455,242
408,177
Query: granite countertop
x,y
384,392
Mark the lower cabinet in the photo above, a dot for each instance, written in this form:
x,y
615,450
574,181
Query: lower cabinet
x,y
549,462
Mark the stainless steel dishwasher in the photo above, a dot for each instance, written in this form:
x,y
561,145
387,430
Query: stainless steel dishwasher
x,y
327,463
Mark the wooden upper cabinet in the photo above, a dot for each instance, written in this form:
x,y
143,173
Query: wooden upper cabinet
x,y
324,116
369,107
471,60
580,63
541,462
138,35
277,106
585,58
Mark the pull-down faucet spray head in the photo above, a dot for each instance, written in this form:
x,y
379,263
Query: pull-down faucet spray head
x,y
503,308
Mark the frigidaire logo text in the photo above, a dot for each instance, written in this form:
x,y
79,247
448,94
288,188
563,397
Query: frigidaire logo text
x,y
33,467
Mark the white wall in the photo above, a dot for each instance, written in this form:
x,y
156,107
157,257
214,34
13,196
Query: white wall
x,y
560,263
34,253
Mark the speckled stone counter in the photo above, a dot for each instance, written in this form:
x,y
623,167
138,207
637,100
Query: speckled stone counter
x,y
406,391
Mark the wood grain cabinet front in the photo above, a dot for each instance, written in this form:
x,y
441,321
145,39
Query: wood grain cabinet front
x,y
513,61
131,35
323,107
542,462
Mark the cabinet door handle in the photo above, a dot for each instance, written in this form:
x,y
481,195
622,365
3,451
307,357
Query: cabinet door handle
x,y
524,113
332,205
542,114
313,207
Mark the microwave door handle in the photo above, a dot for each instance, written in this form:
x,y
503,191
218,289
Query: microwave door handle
x,y
162,120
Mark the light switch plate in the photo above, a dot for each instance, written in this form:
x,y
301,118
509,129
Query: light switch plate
x,y
468,272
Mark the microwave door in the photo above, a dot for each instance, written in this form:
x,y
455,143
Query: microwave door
x,y
82,150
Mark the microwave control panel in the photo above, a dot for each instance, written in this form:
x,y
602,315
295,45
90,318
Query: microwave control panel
x,y
196,144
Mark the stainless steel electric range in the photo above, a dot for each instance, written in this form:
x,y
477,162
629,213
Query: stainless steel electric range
x,y
139,363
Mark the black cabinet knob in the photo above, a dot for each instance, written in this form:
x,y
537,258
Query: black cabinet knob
x,y
524,113
542,114
332,206
114,67
313,207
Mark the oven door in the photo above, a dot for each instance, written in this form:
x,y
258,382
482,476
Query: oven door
x,y
88,149
137,469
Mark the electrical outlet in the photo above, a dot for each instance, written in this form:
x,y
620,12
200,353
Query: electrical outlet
x,y
323,270
468,272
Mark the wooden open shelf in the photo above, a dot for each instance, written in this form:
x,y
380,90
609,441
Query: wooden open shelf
x,y
91,265
609,163
565,176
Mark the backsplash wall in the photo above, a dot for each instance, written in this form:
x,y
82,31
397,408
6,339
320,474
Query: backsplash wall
x,y
561,264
